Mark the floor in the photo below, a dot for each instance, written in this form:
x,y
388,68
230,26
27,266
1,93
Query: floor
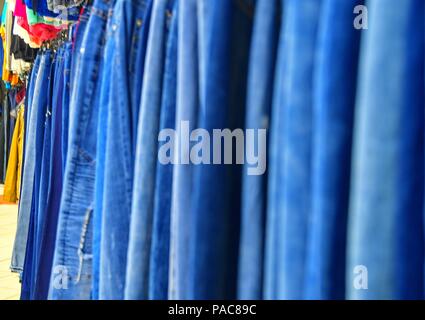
x,y
9,282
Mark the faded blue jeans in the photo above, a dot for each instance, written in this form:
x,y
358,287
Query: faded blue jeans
x,y
35,128
289,203
139,247
254,189
187,105
72,267
104,98
160,248
386,236
131,23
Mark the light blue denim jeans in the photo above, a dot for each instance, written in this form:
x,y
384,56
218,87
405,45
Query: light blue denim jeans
x,y
139,247
291,152
386,236
254,190
130,24
39,79
187,105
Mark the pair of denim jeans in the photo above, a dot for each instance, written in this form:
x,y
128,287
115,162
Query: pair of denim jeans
x,y
72,267
160,246
142,202
187,106
48,237
224,42
335,84
38,117
289,186
105,94
126,51
34,133
386,237
261,75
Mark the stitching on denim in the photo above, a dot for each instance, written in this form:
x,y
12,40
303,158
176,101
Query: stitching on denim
x,y
86,156
139,24
81,255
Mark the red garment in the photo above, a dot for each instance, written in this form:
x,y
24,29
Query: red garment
x,y
20,95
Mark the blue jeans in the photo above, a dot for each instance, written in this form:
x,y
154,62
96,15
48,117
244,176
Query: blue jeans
x,y
291,153
34,134
40,104
131,19
47,242
216,201
68,59
142,206
186,110
105,93
160,248
335,92
254,189
386,211
72,267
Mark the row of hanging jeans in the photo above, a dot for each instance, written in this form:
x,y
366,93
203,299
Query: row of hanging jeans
x,y
337,214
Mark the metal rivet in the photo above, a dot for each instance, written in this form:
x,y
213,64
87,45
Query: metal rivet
x,y
139,22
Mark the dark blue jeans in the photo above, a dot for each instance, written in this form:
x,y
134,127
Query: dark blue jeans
x,y
47,243
216,201
335,87
39,107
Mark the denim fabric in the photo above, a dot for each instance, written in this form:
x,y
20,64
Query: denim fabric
x,y
39,109
35,116
105,94
290,188
186,110
131,25
386,209
73,252
139,246
44,181
160,250
28,101
335,90
47,241
254,189
216,201
68,60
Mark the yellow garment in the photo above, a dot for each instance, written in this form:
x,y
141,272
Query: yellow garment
x,y
12,185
